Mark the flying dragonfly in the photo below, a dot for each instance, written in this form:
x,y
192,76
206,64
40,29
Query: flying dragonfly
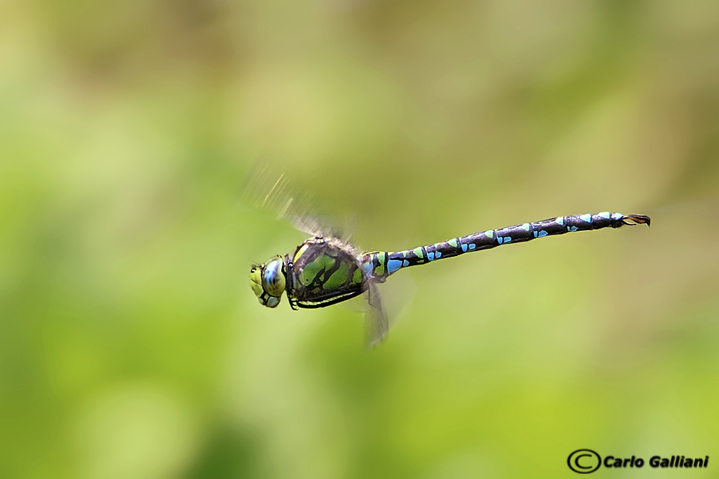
x,y
327,269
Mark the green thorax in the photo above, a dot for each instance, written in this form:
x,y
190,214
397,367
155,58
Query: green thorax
x,y
323,271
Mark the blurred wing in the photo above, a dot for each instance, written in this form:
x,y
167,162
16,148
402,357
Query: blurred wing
x,y
272,193
376,324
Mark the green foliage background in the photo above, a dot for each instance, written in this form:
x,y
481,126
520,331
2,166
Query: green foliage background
x,y
132,346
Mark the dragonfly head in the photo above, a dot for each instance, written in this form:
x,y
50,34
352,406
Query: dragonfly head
x,y
268,281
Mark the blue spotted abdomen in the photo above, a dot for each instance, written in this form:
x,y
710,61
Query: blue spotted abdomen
x,y
380,265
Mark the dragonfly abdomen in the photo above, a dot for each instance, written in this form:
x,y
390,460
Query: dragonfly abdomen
x,y
382,264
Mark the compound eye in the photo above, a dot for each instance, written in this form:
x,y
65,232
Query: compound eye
x,y
273,279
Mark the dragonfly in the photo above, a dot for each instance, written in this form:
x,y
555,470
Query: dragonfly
x,y
326,269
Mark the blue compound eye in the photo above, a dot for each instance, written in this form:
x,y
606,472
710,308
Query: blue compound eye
x,y
273,279
268,281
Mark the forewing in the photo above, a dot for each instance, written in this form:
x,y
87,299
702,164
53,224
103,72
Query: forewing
x,y
271,192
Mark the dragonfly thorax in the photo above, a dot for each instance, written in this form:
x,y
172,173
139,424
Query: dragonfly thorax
x,y
268,281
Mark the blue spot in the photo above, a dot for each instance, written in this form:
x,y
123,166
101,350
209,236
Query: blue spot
x,y
438,254
507,239
617,216
472,245
499,239
464,248
430,256
393,265
543,233
535,233
367,267
586,218
572,228
560,220
605,214
405,263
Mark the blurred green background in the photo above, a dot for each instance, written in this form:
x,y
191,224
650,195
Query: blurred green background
x,y
131,345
